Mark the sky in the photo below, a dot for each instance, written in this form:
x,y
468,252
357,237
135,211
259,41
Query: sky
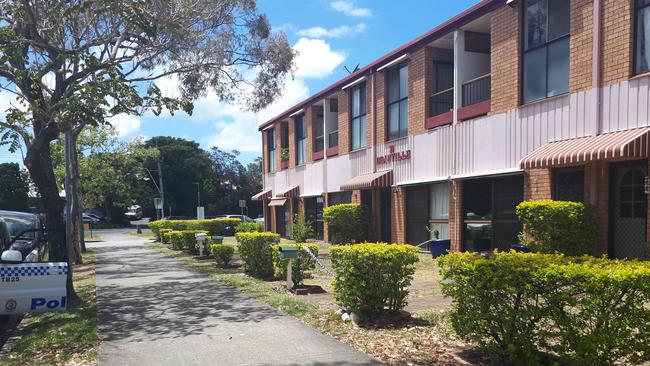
x,y
328,34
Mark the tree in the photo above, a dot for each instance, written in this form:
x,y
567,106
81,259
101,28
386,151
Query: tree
x,y
183,164
13,188
76,63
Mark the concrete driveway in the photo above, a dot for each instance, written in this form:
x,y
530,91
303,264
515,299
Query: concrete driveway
x,y
155,311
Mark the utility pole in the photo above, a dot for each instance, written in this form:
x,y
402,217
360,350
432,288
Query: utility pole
x,y
162,191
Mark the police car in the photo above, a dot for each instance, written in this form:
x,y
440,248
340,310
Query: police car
x,y
27,284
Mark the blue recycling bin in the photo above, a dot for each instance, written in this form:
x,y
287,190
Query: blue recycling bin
x,y
439,247
520,248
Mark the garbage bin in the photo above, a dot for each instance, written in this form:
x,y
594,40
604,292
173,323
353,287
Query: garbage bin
x,y
216,239
439,247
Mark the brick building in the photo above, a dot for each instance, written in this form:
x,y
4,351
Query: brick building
x,y
533,99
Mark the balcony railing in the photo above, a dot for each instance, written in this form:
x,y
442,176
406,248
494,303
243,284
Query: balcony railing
x,y
441,102
476,90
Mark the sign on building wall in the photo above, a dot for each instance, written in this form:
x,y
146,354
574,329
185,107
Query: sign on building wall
x,y
394,156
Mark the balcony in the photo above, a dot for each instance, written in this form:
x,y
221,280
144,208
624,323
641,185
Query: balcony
x,y
476,97
441,105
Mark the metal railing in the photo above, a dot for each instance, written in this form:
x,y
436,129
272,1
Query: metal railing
x,y
441,102
476,90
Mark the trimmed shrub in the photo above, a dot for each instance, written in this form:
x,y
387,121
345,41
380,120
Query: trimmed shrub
x,y
373,278
523,307
559,227
176,239
300,268
250,227
348,223
219,227
164,238
302,229
222,253
189,240
256,250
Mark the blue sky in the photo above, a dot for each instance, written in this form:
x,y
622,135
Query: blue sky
x,y
329,34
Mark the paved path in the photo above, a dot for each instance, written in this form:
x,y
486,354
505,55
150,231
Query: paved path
x,y
155,311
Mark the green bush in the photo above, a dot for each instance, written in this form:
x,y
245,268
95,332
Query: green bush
x,y
219,227
163,235
373,278
190,243
222,253
559,227
256,250
522,307
302,229
250,227
348,223
300,268
176,239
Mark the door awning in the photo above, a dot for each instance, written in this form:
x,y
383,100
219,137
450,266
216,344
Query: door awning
x,y
365,181
264,195
277,202
291,192
608,146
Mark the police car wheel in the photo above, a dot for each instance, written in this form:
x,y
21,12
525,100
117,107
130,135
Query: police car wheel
x,y
4,319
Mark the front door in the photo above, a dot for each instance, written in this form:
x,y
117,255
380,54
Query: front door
x,y
385,224
630,211
280,217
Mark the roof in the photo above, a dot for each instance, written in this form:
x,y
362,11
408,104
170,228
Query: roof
x,y
614,145
474,12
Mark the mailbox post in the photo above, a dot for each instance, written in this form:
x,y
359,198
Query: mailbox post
x,y
200,238
290,253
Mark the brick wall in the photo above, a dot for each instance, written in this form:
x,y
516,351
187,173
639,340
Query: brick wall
x,y
310,118
398,215
265,153
455,215
369,111
356,196
418,90
582,24
278,147
505,58
537,184
344,122
292,142
617,41
380,97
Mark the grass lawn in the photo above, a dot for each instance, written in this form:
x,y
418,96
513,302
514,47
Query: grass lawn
x,y
425,340
61,338
146,234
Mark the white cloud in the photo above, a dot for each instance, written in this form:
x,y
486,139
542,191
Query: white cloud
x,y
350,9
336,32
316,59
236,128
125,124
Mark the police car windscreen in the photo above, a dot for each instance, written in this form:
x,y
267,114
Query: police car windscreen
x,y
17,225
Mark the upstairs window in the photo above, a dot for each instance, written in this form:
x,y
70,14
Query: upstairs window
x,y
301,139
398,102
642,37
546,49
358,116
319,133
270,135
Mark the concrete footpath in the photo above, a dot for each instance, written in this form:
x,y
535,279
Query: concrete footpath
x,y
155,311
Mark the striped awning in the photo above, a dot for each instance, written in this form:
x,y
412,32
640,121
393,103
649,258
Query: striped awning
x,y
291,192
608,146
365,181
277,202
264,195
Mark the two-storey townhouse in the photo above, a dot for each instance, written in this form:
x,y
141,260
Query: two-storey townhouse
x,y
507,101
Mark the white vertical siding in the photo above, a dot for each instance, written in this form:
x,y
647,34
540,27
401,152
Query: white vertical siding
x,y
403,169
625,105
312,179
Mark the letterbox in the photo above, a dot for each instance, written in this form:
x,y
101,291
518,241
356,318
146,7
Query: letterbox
x,y
288,252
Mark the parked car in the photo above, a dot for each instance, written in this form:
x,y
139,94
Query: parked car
x,y
243,218
133,213
25,232
177,218
88,218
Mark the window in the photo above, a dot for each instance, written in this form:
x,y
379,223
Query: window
x,y
314,213
642,37
398,102
569,185
271,143
546,49
319,133
301,139
439,211
631,195
358,116
442,98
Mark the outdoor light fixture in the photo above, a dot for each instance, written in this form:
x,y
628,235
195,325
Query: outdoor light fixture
x,y
511,3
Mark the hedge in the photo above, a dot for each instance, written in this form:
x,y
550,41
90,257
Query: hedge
x,y
212,226
373,278
300,268
163,235
256,250
559,226
186,239
526,308
222,253
176,239
348,223
250,227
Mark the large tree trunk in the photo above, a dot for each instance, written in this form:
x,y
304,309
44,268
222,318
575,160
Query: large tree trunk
x,y
38,161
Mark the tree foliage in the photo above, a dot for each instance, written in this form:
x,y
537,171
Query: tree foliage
x,y
13,188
